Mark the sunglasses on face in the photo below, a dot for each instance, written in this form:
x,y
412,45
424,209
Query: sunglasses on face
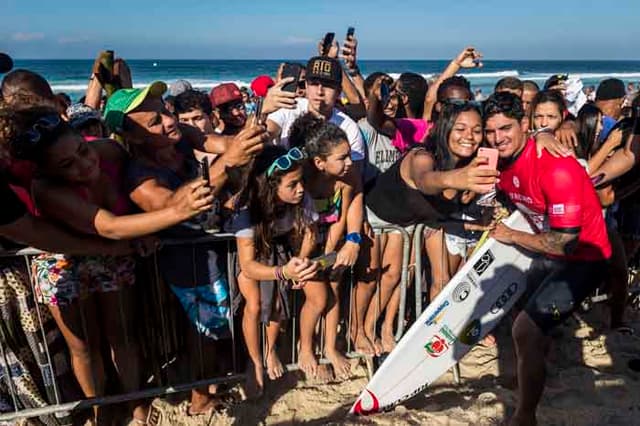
x,y
285,162
235,105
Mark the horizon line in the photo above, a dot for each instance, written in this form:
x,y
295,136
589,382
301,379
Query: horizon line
x,y
304,59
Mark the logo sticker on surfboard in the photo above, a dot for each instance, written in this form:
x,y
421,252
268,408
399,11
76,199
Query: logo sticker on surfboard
x,y
440,342
374,404
504,298
470,334
461,292
437,315
483,263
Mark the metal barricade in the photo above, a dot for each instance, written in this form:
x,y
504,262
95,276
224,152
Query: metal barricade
x,y
163,337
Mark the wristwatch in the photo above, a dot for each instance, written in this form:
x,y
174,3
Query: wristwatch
x,y
354,237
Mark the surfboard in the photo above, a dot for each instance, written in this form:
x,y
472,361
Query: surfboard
x,y
468,308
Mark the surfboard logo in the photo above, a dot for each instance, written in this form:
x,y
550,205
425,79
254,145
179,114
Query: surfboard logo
x,y
483,263
504,298
461,292
360,410
470,334
440,342
437,315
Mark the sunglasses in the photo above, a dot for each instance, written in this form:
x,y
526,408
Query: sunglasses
x,y
235,105
285,162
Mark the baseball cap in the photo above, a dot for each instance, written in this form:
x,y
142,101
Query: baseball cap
x,y
124,101
224,93
261,84
325,69
80,114
554,80
178,87
611,88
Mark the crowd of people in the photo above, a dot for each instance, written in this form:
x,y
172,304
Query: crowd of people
x,y
308,171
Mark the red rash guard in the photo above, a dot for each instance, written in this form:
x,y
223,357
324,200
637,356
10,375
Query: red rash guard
x,y
556,193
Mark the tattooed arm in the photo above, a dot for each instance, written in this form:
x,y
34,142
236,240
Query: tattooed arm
x,y
554,242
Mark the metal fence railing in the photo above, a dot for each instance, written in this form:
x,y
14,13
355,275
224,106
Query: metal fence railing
x,y
161,339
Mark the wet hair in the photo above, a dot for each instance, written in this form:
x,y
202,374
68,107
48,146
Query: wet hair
x,y
371,78
14,124
318,137
587,124
511,83
544,96
190,100
415,86
24,89
530,85
439,139
457,81
261,197
505,103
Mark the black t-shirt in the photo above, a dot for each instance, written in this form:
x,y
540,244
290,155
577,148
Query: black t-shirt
x,y
12,208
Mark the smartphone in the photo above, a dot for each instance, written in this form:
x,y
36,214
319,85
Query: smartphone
x,y
291,70
204,169
385,93
327,42
492,155
350,32
326,260
258,113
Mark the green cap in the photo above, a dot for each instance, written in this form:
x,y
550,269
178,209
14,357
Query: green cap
x,y
124,101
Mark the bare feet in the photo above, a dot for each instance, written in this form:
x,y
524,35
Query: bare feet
x,y
275,370
308,364
388,341
362,344
254,386
341,365
377,345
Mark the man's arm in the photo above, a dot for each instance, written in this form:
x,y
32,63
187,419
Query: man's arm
x,y
554,242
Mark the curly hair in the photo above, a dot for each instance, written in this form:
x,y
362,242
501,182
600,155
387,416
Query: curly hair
x,y
317,136
261,197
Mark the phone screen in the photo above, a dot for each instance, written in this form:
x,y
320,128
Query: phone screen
x,y
204,169
326,260
258,113
385,93
291,70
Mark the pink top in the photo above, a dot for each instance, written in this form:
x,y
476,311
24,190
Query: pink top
x,y
410,131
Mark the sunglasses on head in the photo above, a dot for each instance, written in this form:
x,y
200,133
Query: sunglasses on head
x,y
286,161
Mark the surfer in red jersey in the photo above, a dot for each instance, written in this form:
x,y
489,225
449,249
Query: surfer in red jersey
x,y
557,196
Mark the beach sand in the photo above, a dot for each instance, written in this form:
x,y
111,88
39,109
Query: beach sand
x,y
588,383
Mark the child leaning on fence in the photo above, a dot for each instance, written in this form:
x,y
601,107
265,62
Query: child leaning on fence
x,y
274,220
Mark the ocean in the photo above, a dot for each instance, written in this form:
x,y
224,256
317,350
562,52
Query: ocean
x,y
70,76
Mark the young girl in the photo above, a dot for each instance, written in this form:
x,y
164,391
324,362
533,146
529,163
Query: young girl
x,y
548,110
276,220
80,184
328,182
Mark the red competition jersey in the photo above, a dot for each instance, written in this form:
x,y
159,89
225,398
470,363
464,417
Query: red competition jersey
x,y
556,193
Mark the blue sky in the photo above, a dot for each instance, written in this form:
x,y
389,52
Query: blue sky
x,y
213,29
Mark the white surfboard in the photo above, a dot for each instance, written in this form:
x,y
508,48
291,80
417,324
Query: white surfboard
x,y
471,304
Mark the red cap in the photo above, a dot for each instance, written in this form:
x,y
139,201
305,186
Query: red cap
x,y
224,93
260,85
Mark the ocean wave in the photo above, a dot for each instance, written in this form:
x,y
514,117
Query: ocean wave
x,y
472,75
195,83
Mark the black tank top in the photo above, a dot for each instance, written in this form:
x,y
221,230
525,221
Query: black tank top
x,y
393,201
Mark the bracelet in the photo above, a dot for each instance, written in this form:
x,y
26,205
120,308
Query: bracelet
x,y
284,274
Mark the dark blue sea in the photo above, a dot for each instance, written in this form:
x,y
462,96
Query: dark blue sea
x,y
71,76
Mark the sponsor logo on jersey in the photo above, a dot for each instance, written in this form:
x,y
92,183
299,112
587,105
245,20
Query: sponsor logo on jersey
x,y
557,209
470,334
504,298
360,410
437,315
440,342
516,182
461,292
483,263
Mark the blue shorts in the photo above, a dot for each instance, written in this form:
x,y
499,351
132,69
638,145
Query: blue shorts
x,y
207,307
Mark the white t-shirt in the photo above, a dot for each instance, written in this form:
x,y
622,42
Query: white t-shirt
x,y
285,118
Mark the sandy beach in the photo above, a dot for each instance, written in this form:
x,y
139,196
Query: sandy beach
x,y
589,383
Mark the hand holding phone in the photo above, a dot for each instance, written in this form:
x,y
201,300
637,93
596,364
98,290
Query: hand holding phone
x,y
258,119
204,170
350,32
326,261
327,42
487,200
291,70
385,93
